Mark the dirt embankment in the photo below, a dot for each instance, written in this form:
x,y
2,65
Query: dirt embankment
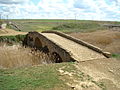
x,y
106,40
104,71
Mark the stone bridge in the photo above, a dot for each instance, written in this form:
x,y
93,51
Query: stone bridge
x,y
63,47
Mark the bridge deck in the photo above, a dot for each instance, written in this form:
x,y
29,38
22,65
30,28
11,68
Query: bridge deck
x,y
77,51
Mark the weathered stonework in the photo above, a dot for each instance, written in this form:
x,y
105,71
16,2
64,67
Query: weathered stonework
x,y
81,42
32,41
42,42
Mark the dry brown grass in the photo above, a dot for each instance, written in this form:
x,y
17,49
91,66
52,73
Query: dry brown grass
x,y
18,56
114,47
107,40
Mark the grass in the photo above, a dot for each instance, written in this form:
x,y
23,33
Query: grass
x,y
1,21
12,39
100,84
43,77
23,72
78,27
18,56
26,71
116,56
40,77
27,25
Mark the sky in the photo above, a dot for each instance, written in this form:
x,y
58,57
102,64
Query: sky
x,y
104,10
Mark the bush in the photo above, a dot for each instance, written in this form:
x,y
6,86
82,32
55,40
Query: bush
x,y
12,39
76,26
116,56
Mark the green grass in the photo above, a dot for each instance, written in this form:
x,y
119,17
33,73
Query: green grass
x,y
100,84
12,39
116,56
78,27
43,77
1,21
27,25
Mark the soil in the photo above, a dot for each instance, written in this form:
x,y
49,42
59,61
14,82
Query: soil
x,y
106,71
105,39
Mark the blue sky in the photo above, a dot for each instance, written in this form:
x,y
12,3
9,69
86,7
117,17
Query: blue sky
x,y
61,9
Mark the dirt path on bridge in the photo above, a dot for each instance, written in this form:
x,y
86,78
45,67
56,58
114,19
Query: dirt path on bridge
x,y
77,51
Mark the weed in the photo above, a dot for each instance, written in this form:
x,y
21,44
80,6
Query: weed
x,y
116,56
100,84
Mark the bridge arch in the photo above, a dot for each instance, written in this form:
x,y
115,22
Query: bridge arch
x,y
45,49
38,43
56,57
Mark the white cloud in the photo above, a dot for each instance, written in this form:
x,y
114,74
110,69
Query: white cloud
x,y
62,9
101,8
13,1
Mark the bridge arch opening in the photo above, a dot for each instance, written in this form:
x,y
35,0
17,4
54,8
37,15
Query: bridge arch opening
x,y
38,43
30,39
56,57
45,49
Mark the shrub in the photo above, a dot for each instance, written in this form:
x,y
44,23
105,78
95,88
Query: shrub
x,y
12,39
77,26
